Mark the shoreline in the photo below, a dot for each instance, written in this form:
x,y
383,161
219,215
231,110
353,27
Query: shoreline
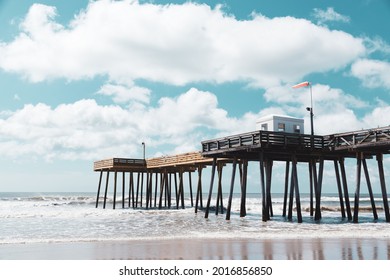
x,y
204,249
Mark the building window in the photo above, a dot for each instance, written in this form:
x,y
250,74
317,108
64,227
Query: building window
x,y
297,128
264,126
281,126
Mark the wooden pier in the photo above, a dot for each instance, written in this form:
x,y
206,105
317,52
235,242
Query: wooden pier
x,y
162,174
264,147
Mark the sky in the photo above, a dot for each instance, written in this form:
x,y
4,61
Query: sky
x,y
88,80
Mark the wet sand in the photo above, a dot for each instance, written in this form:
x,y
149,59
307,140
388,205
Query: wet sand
x,y
205,249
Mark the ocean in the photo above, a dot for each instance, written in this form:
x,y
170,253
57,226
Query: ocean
x,y
36,218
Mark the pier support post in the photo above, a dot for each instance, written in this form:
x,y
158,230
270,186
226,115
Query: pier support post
x,y
379,158
296,186
219,193
147,190
264,210
311,179
336,168
142,187
243,187
357,190
168,189
190,185
138,182
229,206
162,182
131,189
345,188
317,215
123,189
181,188
105,192
268,174
199,190
98,192
368,181
291,199
211,187
114,202
286,188
155,189
149,182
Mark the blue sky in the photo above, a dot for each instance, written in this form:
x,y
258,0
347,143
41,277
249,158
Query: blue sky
x,y
87,80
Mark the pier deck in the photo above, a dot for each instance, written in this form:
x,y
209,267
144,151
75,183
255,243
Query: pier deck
x,y
185,161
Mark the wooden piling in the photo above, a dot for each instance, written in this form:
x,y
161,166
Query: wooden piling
x,y
181,189
190,185
98,192
286,188
123,190
148,202
155,189
162,186
379,158
311,186
368,181
264,208
176,190
317,215
105,192
142,188
137,192
147,190
268,167
114,202
131,189
345,188
243,188
229,206
199,190
296,186
219,192
168,188
357,190
211,187
291,199
336,168
151,190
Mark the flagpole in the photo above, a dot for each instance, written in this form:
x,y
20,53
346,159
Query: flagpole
x,y
311,111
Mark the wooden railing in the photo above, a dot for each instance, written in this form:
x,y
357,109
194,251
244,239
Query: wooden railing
x,y
187,158
361,138
267,139
118,162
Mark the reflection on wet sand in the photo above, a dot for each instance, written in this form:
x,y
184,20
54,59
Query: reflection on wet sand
x,y
208,249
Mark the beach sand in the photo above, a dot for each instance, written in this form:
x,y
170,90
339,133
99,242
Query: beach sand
x,y
204,249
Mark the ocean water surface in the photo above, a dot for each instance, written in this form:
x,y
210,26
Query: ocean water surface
x,y
72,217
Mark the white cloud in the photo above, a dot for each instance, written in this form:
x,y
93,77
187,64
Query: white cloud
x,y
376,44
174,44
372,73
86,130
124,93
329,15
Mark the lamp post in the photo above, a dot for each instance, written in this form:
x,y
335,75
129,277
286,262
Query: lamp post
x,y
143,146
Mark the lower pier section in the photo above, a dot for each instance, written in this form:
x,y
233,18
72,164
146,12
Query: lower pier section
x,y
154,183
145,188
